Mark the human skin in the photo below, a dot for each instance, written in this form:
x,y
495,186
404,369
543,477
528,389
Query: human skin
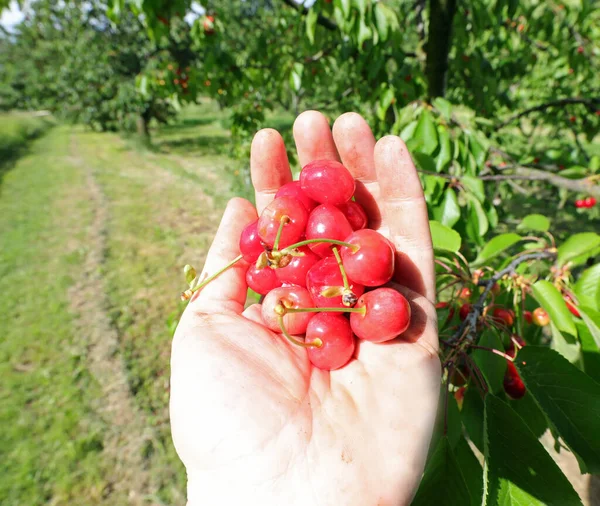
x,y
252,420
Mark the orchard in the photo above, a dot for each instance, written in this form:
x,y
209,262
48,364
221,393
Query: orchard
x,y
499,107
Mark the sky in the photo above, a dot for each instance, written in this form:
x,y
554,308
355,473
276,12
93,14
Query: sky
x,y
11,16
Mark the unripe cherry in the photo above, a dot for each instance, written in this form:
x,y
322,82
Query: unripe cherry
x,y
326,222
272,216
540,317
295,272
373,263
355,214
333,329
326,274
465,294
290,297
327,182
250,244
387,315
294,190
261,280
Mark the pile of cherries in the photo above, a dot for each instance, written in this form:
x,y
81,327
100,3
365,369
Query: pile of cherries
x,y
320,268
585,203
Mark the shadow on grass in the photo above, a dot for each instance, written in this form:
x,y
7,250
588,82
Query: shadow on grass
x,y
189,123
208,144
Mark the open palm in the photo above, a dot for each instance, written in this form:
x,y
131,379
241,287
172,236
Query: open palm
x,y
252,420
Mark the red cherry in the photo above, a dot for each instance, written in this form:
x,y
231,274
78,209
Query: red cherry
x,y
464,310
513,384
580,50
459,395
326,274
270,220
496,289
333,329
589,202
460,376
387,315
355,214
540,317
579,203
250,244
294,190
528,317
373,263
571,307
292,297
327,182
326,222
262,280
504,316
444,305
294,273
572,119
511,351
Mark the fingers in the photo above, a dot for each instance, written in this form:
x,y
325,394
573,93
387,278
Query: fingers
x,y
313,138
269,166
356,144
227,292
405,213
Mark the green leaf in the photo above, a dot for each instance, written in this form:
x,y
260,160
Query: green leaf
x,y
444,238
587,287
448,213
444,157
496,246
518,470
311,24
345,6
552,301
591,317
296,77
408,131
566,345
477,218
569,397
427,133
530,412
364,32
535,222
576,246
472,415
471,470
424,162
491,365
443,106
381,20
475,186
442,473
590,352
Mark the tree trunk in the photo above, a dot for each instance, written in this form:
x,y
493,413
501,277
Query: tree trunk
x,y
142,126
441,14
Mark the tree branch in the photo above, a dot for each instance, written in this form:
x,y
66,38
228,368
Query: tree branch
x,y
591,103
322,20
469,325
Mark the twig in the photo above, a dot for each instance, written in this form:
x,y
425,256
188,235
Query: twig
x,y
469,324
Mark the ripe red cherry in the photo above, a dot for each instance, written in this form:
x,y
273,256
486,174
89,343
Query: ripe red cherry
x,y
528,317
262,280
294,273
504,316
355,214
270,219
464,310
513,384
326,274
294,190
333,329
209,25
540,317
589,202
511,351
460,376
387,315
579,203
571,307
326,222
250,244
327,182
290,297
373,263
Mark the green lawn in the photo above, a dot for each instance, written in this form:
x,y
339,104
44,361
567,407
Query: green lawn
x,y
159,210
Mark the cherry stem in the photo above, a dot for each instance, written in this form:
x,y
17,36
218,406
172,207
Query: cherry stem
x,y
338,258
317,343
494,351
282,222
188,293
361,310
353,247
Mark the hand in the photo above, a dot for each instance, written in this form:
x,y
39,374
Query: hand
x,y
252,420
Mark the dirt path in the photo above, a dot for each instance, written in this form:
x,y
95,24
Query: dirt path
x,y
128,435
